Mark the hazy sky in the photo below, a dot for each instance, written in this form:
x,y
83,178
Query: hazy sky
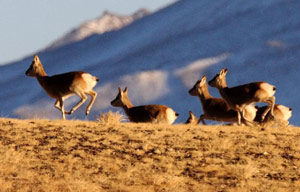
x,y
29,25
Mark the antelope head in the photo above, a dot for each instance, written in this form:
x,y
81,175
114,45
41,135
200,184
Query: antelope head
x,y
192,119
197,87
36,68
121,99
219,81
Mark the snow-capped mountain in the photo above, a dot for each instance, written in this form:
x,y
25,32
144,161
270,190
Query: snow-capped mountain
x,y
160,56
105,23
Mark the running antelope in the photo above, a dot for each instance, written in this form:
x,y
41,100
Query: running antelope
x,y
281,114
237,98
192,119
145,113
62,86
216,109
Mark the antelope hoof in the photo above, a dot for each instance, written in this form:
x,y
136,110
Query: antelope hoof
x,y
68,112
87,113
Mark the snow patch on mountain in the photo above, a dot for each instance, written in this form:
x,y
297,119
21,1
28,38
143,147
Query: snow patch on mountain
x,y
189,73
106,23
41,109
143,88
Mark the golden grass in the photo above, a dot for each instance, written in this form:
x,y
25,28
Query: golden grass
x,y
111,118
43,155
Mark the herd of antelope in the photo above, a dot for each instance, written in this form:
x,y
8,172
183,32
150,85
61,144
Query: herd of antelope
x,y
235,106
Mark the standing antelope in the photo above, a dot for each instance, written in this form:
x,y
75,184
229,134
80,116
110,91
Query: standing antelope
x,y
62,86
192,119
145,113
281,114
237,98
216,108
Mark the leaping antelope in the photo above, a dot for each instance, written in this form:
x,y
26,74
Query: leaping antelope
x,y
216,109
62,86
237,98
145,113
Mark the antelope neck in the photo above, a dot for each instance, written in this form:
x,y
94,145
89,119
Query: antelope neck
x,y
41,76
42,72
127,104
205,93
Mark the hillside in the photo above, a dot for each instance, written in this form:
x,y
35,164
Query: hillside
x,y
160,56
43,155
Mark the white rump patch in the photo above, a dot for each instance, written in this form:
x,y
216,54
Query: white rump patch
x,y
171,116
268,88
90,81
286,113
250,112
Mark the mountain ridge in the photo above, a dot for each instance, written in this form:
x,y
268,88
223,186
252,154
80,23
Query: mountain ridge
x,y
103,24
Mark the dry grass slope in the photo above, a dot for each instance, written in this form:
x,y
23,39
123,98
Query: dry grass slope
x,y
111,117
43,155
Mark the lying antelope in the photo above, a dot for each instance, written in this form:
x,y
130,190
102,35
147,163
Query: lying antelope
x,y
192,119
62,86
281,114
145,113
237,98
216,109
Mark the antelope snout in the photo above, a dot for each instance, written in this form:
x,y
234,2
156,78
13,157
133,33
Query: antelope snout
x,y
192,92
27,73
290,109
113,103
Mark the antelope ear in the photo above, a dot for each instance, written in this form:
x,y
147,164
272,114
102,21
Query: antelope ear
x,y
120,90
224,71
203,80
125,90
36,58
190,112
